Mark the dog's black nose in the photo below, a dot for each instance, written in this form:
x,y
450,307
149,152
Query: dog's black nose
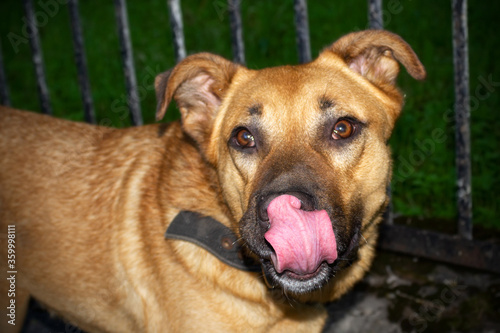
x,y
306,200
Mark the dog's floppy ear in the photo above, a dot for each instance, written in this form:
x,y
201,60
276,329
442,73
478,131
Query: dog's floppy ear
x,y
198,84
375,55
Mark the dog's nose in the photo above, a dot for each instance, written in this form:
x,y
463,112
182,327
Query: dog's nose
x,y
307,202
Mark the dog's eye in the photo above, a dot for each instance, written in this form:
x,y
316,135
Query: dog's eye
x,y
342,129
244,138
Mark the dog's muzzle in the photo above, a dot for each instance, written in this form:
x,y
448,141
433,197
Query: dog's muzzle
x,y
295,240
301,240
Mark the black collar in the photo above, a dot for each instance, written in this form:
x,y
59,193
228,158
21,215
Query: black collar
x,y
211,235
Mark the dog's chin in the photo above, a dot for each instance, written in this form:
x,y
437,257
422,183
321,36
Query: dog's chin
x,y
294,283
300,284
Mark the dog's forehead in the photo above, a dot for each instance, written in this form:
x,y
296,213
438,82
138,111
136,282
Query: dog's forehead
x,y
296,93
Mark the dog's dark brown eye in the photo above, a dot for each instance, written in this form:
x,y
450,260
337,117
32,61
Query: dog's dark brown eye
x,y
245,139
342,129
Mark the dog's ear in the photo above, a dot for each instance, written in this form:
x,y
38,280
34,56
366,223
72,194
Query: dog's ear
x,y
375,55
197,84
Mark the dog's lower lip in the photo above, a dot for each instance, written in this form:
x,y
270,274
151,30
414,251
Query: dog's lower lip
x,y
293,282
296,276
307,276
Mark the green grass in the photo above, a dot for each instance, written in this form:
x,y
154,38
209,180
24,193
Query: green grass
x,y
425,189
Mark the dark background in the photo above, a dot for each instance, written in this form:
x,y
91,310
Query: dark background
x,y
424,174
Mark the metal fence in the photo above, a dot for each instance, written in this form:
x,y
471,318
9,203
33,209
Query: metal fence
x,y
459,249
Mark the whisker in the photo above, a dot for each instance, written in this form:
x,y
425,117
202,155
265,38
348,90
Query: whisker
x,y
239,240
363,237
289,300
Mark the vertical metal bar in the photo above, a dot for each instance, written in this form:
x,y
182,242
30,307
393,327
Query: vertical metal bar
x,y
375,17
4,88
388,217
36,49
81,62
375,20
302,30
174,8
236,31
128,62
462,117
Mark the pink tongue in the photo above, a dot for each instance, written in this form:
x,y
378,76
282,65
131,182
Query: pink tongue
x,y
301,240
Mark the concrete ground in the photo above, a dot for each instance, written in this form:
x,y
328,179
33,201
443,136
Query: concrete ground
x,y
406,294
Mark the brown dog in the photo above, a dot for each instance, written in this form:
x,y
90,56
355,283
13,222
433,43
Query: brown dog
x,y
294,160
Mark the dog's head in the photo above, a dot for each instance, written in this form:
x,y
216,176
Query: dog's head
x,y
300,151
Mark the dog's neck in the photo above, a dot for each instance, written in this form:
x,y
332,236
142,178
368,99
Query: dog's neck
x,y
178,175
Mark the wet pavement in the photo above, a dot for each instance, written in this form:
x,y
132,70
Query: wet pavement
x,y
406,294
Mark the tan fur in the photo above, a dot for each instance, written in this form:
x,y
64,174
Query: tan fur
x,y
91,204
